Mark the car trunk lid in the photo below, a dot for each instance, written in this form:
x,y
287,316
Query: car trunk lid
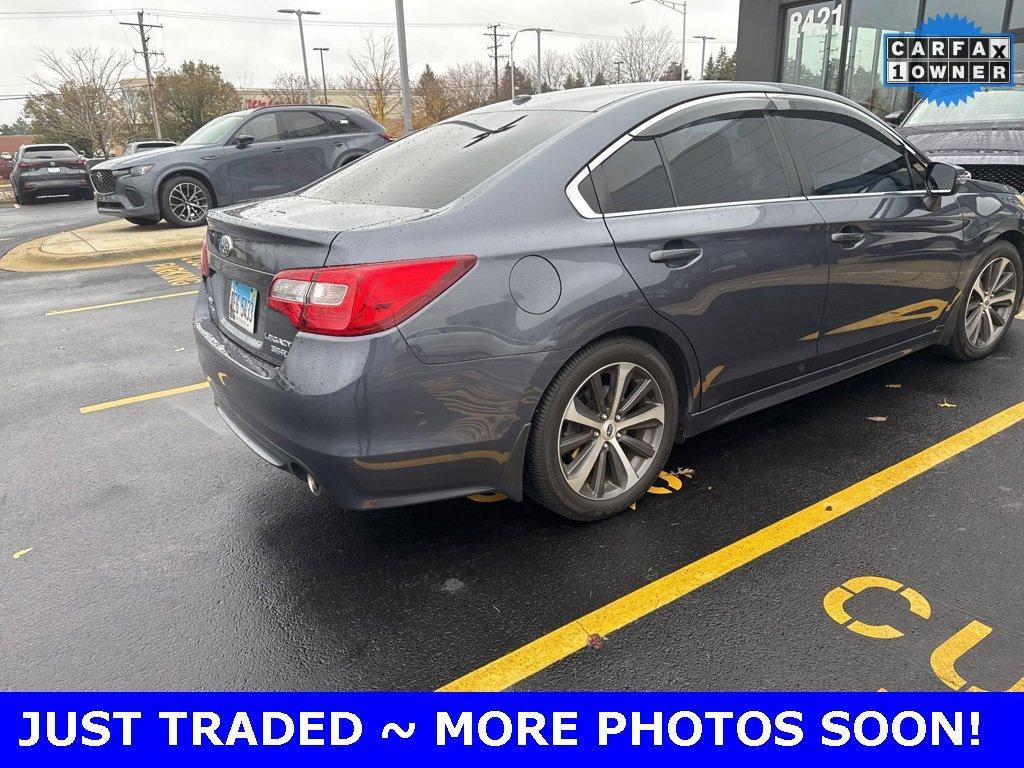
x,y
251,243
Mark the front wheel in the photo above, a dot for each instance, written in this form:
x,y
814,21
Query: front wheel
x,y
986,312
603,430
185,201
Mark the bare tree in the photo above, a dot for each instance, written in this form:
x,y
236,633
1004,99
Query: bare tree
x,y
374,77
645,53
290,88
82,96
467,86
595,60
555,68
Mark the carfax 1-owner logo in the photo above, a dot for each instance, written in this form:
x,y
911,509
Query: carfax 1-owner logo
x,y
948,59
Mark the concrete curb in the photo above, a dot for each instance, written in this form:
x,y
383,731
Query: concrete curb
x,y
103,245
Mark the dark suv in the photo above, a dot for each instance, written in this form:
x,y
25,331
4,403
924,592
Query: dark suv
x,y
49,169
233,158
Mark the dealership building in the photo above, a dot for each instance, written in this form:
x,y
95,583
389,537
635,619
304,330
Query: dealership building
x,y
837,45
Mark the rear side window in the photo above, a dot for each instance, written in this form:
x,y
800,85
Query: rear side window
x,y
634,179
341,124
301,125
724,159
433,167
845,156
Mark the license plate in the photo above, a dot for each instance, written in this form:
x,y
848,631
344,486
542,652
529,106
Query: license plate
x,y
107,198
242,306
53,170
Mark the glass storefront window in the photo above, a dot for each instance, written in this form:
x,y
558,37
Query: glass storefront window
x,y
987,14
812,41
865,65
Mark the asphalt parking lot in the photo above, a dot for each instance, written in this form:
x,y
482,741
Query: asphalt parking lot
x,y
142,546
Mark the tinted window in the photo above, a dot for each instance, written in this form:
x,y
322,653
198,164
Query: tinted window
x,y
263,127
724,159
845,156
634,179
342,124
50,152
433,167
298,125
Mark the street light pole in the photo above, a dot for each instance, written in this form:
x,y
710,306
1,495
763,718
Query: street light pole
x,y
512,55
703,49
323,71
403,65
302,41
618,71
678,8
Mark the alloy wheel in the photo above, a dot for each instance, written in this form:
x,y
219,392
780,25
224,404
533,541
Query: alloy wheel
x,y
611,431
188,202
990,304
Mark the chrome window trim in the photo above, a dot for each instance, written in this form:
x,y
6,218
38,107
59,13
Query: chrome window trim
x,y
580,204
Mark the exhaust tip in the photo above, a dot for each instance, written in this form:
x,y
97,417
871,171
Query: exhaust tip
x,y
314,486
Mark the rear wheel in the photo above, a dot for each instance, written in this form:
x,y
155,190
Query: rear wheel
x,y
988,308
141,221
603,430
185,201
87,195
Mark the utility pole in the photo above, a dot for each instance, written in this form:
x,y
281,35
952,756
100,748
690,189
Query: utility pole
x,y
678,8
703,49
302,41
618,71
403,65
493,48
143,29
323,72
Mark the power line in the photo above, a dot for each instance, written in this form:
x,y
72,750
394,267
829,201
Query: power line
x,y
143,29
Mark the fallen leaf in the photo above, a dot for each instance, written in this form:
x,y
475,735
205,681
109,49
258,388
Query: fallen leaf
x,y
893,386
633,505
946,404
595,641
878,418
21,553
680,472
179,349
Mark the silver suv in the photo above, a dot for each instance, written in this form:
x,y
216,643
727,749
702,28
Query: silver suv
x,y
240,156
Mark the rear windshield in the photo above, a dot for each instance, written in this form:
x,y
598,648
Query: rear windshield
x,y
54,152
433,167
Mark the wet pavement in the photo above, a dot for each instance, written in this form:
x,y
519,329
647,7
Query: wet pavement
x,y
154,551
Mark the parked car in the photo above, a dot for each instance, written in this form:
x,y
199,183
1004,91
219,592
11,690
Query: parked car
x,y
6,164
985,134
145,145
239,156
49,169
542,296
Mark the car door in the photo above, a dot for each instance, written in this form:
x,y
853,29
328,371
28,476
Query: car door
x,y
258,169
704,208
895,251
307,147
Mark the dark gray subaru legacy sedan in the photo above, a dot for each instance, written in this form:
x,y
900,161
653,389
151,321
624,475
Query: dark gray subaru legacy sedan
x,y
541,296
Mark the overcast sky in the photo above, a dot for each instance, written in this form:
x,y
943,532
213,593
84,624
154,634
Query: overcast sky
x,y
252,52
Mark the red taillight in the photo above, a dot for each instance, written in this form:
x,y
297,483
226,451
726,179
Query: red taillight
x,y
80,163
204,260
365,298
26,164
386,136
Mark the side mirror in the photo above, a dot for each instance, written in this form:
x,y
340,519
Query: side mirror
x,y
244,141
894,118
942,178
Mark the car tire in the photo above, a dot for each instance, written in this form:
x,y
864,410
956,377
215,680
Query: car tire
x,y
141,221
17,197
86,196
579,471
993,297
185,201
346,161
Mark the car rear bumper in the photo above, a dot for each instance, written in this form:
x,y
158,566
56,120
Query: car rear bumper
x,y
371,423
43,185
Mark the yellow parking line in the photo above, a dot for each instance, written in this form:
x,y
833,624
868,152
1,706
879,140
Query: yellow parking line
x,y
560,643
143,398
121,303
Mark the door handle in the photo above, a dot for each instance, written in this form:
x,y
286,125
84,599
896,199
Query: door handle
x,y
848,236
678,254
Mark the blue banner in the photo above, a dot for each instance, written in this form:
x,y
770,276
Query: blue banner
x,y
225,729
